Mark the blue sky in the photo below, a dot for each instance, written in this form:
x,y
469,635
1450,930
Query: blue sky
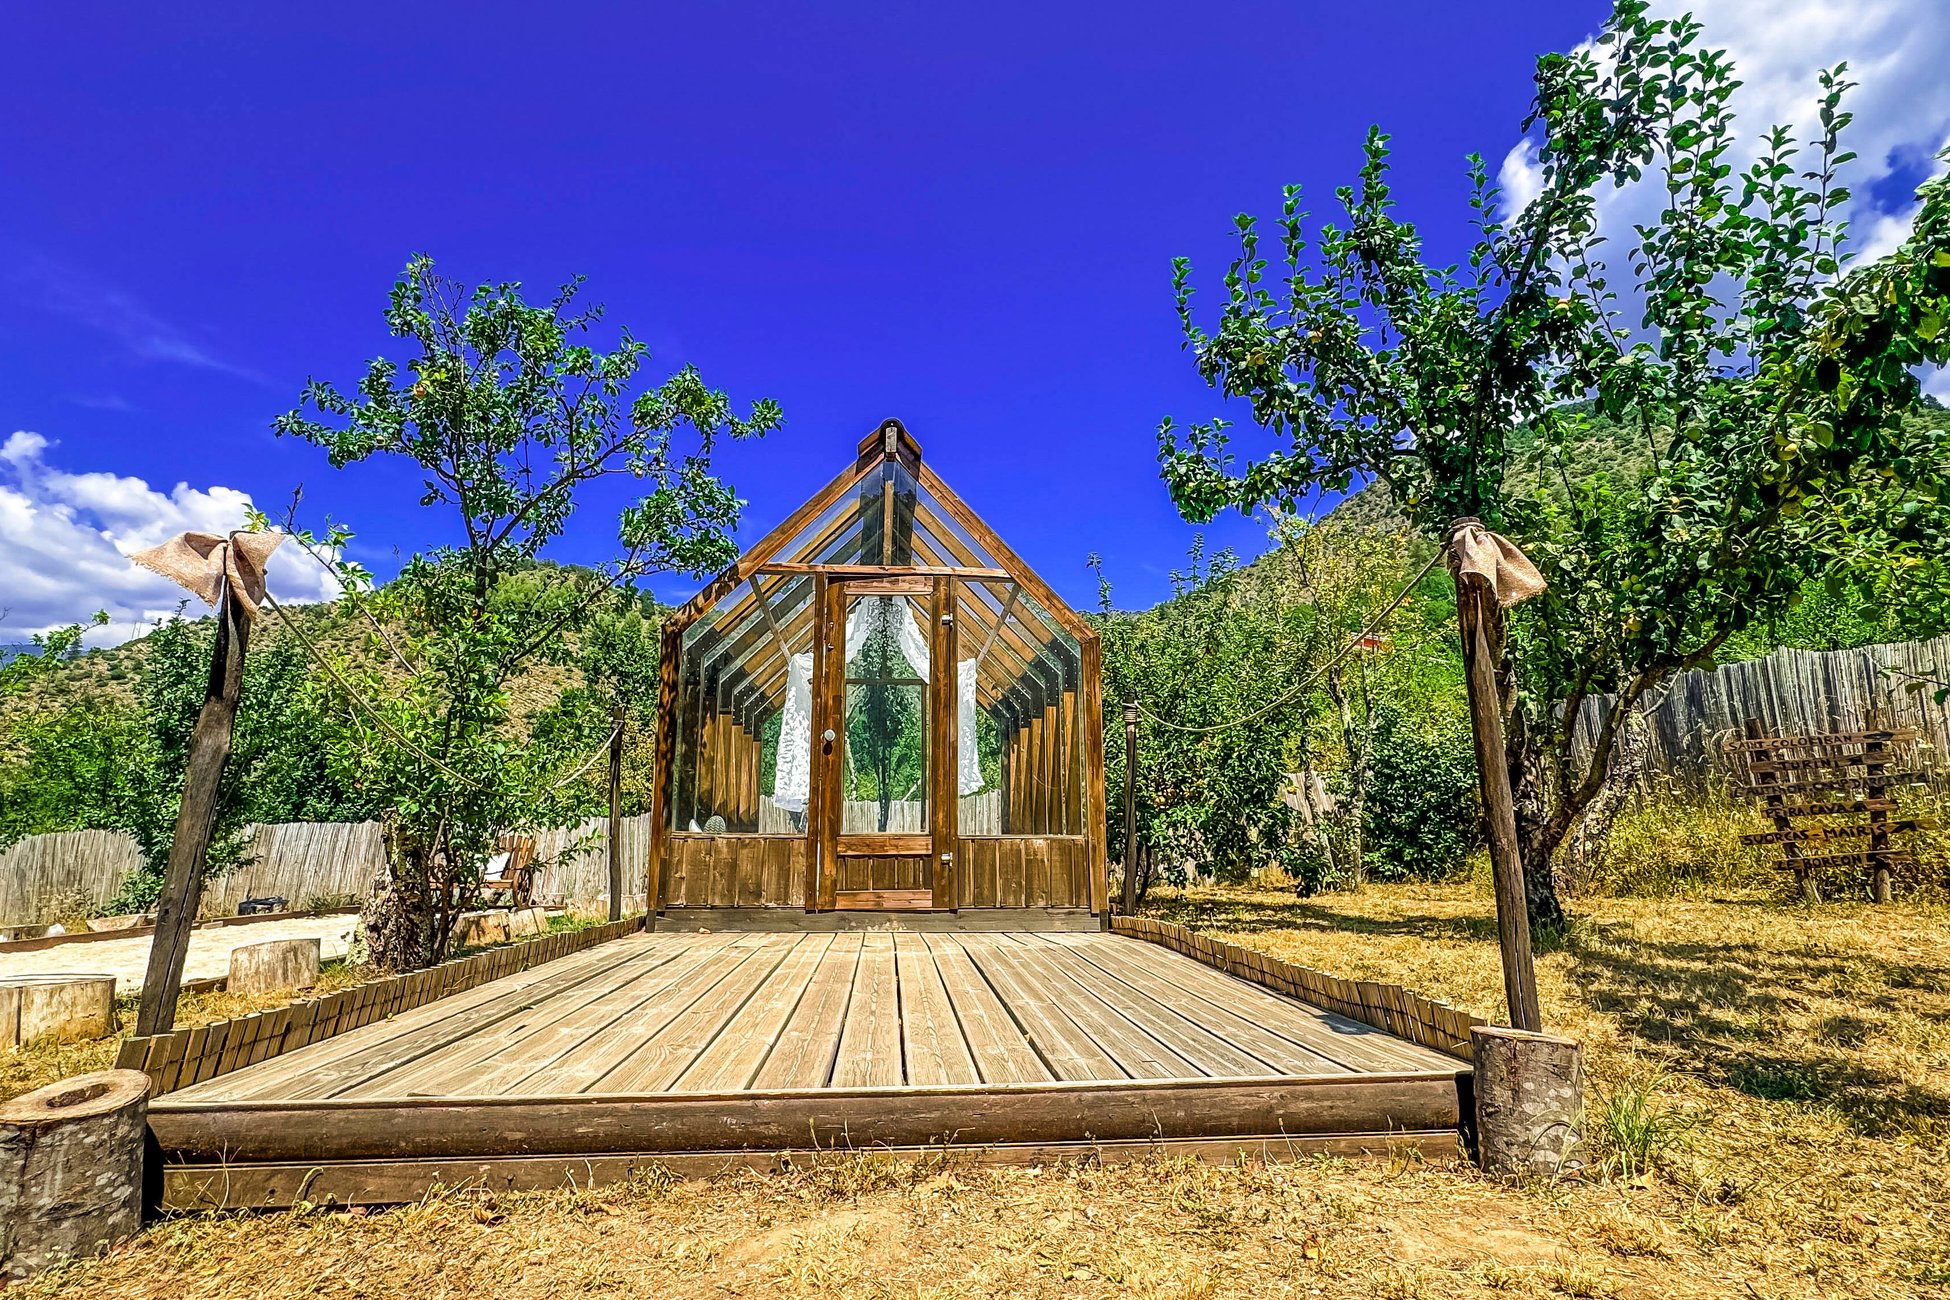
x,y
962,216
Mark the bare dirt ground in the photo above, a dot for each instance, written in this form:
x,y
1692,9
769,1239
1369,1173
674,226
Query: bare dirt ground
x,y
1770,1099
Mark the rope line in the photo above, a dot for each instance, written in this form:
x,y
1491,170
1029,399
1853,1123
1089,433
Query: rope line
x,y
1316,675
318,657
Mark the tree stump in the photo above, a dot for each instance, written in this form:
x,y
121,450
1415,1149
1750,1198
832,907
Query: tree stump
x,y
1529,1102
71,1169
478,929
56,1006
279,964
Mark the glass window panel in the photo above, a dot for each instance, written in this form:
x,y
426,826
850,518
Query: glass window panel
x,y
884,752
733,682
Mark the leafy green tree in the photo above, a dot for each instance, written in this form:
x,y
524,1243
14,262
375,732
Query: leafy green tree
x,y
507,416
1768,391
1215,669
276,771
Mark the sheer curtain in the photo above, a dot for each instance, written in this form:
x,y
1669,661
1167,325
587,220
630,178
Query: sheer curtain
x,y
792,774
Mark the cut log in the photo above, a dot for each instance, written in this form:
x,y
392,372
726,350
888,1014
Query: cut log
x,y
71,1169
525,922
478,929
279,964
1529,1102
56,1006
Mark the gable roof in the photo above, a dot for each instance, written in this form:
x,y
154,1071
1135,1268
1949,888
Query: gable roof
x,y
888,510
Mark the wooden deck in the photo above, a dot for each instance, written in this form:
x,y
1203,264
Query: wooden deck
x,y
695,1048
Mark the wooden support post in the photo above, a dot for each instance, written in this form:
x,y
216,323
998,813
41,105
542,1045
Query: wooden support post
x,y
1875,767
616,813
1481,619
71,1170
195,817
944,721
1130,808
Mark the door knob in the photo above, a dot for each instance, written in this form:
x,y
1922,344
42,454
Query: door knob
x,y
828,736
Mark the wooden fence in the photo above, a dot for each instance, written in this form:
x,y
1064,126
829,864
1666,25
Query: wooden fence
x,y
45,877
186,1056
1402,1012
1793,693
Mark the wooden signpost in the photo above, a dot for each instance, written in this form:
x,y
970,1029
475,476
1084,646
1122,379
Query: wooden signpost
x,y
1130,809
616,814
1817,779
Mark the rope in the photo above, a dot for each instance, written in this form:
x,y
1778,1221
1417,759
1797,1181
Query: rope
x,y
1317,674
344,686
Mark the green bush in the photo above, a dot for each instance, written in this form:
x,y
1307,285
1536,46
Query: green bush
x,y
1422,816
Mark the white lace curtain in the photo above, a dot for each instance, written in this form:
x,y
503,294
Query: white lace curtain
x,y
792,775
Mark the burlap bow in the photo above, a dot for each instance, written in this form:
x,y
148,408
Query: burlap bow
x,y
203,562
1496,559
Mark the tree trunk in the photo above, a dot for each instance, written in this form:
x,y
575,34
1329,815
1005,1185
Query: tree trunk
x,y
71,1170
1357,758
398,917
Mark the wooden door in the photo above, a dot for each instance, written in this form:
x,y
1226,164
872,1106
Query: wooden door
x,y
881,748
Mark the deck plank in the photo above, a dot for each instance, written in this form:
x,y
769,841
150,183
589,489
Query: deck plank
x,y
658,1064
932,1045
1360,1047
1283,1054
326,1068
1137,1052
735,1057
1206,1051
870,1045
511,1047
1064,1047
1002,1054
519,1049
583,1067
803,1056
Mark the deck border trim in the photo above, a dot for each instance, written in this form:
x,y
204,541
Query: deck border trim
x,y
202,1052
1400,1011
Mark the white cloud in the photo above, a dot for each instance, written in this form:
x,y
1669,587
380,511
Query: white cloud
x,y
65,540
1896,49
145,335
1521,176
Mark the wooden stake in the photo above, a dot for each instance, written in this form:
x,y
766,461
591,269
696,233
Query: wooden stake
x,y
616,813
1476,607
1130,808
189,849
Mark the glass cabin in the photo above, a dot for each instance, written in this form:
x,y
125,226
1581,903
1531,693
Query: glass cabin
x,y
879,707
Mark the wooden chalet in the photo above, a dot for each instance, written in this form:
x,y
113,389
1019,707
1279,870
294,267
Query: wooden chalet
x,y
878,897
881,707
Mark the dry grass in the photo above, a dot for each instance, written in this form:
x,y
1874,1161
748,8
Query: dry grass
x,y
1796,1061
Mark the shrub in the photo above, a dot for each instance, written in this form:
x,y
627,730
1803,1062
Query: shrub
x,y
1422,815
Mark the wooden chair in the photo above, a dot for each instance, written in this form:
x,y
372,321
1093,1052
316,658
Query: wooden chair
x,y
509,879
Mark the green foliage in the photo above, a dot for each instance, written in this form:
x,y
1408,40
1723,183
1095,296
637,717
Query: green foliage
x,y
507,416
1768,392
1227,647
100,761
1422,808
